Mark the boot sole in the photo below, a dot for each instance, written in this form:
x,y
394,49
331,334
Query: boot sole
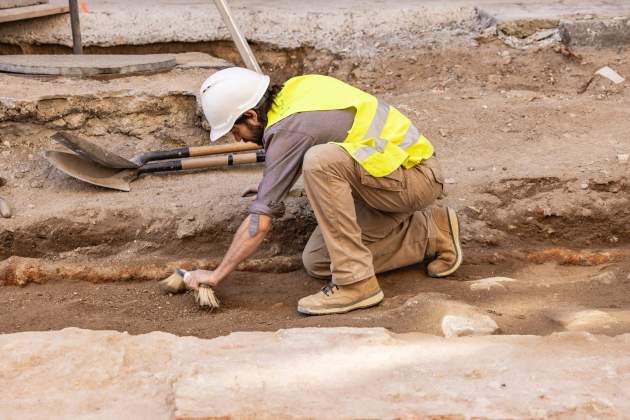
x,y
453,222
365,303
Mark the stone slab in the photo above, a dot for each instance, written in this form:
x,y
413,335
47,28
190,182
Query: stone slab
x,y
85,65
7,4
312,373
30,12
596,33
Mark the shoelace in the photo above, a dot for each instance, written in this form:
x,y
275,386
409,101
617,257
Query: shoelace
x,y
329,288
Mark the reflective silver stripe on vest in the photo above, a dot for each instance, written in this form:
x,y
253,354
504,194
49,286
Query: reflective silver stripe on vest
x,y
377,125
376,128
411,137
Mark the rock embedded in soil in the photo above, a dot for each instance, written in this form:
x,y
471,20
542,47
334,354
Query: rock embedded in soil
x,y
440,314
599,321
607,277
491,283
458,326
77,373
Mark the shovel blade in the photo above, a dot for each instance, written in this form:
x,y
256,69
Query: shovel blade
x,y
91,151
86,171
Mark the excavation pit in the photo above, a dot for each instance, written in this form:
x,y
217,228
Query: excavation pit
x,y
534,206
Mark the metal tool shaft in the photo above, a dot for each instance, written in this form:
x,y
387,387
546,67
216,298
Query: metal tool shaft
x,y
241,43
75,24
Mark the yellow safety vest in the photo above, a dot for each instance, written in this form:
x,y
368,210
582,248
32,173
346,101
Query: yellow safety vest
x,y
381,138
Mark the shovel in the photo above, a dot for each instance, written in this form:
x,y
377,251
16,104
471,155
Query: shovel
x,y
97,154
120,179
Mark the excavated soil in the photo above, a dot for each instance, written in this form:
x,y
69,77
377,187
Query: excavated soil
x,y
531,155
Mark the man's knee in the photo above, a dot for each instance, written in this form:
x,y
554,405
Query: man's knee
x,y
315,264
324,157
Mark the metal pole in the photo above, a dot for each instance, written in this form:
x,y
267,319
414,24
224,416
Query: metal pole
x,y
77,48
241,43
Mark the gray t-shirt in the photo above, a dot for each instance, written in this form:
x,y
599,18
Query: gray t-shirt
x,y
286,143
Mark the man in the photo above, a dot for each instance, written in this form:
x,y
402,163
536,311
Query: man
x,y
369,174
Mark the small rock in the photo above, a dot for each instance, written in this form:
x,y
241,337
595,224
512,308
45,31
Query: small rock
x,y
623,157
607,277
449,181
61,123
5,210
31,206
490,283
6,143
443,132
584,186
191,218
457,326
75,120
36,184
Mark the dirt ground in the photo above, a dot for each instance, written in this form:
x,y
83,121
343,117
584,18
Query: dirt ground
x,y
267,302
532,163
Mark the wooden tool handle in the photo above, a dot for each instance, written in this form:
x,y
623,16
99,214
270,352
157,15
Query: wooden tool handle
x,y
226,160
203,162
223,148
185,152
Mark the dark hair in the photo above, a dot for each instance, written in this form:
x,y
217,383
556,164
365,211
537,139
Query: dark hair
x,y
263,106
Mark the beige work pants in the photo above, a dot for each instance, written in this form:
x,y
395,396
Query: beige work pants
x,y
366,225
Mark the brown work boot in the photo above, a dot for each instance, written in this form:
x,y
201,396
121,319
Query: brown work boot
x,y
444,242
333,299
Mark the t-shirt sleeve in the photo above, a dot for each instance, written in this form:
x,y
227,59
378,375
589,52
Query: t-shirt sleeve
x,y
283,165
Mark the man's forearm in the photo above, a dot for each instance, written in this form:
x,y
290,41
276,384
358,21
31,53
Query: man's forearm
x,y
243,245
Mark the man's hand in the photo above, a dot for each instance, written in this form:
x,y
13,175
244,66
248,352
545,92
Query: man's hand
x,y
196,277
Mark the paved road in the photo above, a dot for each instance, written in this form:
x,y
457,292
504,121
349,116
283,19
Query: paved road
x,y
350,26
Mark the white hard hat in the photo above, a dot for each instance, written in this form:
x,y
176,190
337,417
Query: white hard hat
x,y
227,94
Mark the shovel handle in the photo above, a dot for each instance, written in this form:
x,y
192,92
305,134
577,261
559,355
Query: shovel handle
x,y
185,152
203,162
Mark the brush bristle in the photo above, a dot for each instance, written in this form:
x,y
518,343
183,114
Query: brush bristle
x,y
173,284
206,298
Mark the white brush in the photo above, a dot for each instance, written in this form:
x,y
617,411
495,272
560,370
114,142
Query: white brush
x,y
204,295
206,298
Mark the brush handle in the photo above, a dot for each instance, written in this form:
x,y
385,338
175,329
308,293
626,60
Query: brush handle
x,y
185,152
203,162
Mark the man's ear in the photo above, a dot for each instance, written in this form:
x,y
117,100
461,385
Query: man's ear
x,y
252,115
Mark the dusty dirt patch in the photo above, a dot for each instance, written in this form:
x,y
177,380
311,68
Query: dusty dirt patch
x,y
532,164
267,302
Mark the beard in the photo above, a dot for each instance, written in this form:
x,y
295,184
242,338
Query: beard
x,y
257,132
